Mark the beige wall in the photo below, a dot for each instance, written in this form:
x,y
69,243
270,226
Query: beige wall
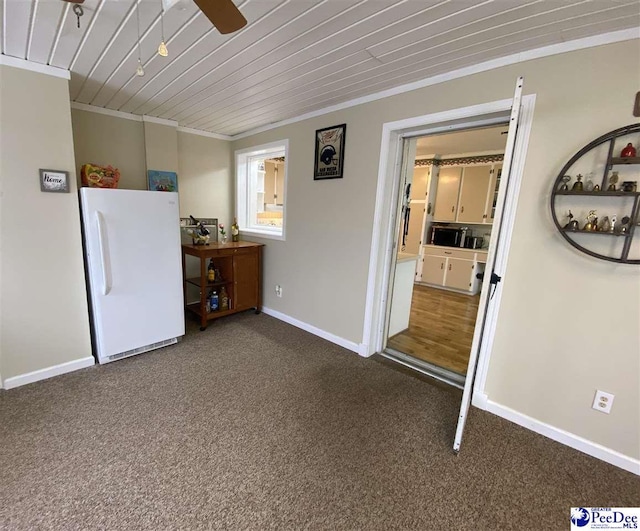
x,y
568,324
107,140
204,177
161,147
44,315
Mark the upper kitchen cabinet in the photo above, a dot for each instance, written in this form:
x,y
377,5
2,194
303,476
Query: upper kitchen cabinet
x,y
446,203
421,175
467,194
473,194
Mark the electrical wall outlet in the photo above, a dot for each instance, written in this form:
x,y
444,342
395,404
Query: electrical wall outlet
x,y
278,290
603,401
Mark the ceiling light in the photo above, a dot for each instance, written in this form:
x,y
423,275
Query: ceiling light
x,y
162,49
139,70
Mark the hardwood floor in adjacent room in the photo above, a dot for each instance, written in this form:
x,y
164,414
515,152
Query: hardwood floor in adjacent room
x,y
440,328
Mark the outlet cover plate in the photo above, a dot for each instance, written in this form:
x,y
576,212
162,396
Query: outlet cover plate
x,y
603,401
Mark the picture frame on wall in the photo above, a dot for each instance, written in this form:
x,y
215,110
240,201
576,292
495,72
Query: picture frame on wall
x,y
329,157
162,181
56,181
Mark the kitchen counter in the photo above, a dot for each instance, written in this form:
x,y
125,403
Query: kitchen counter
x,y
406,257
402,292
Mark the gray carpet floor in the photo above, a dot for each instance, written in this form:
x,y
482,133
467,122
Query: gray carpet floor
x,y
255,424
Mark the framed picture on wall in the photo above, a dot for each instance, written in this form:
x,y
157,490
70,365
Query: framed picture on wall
x,y
162,181
329,159
56,181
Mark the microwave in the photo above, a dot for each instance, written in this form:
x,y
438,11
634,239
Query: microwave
x,y
448,236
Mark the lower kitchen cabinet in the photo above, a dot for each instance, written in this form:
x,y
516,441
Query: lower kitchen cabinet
x,y
451,268
433,268
459,274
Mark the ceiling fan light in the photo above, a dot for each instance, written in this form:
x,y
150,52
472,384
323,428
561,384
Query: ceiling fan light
x,y
140,70
162,49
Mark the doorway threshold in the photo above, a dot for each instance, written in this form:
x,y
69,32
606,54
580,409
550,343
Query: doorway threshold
x,y
443,375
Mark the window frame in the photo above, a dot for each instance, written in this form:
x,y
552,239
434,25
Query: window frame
x,y
242,210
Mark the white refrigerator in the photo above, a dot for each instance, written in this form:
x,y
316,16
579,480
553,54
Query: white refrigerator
x,y
134,270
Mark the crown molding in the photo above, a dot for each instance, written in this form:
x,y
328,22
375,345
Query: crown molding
x,y
545,51
160,121
148,119
106,112
203,133
23,64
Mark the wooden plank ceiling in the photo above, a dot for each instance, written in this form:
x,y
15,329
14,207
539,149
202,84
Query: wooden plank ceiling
x,y
292,58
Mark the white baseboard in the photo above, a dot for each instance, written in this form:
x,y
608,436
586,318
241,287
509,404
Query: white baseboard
x,y
479,400
349,345
43,374
564,437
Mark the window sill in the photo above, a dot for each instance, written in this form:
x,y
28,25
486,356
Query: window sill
x,y
257,233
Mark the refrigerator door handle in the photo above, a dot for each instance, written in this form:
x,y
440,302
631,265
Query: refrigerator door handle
x,y
106,288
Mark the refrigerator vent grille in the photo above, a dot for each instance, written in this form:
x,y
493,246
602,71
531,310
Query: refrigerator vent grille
x,y
140,350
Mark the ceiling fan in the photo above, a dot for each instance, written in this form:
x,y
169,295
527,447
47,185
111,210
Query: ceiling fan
x,y
223,14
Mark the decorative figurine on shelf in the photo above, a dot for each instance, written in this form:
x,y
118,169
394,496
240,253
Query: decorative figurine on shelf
x,y
612,228
223,233
628,151
612,181
199,235
591,219
629,186
572,224
588,185
624,224
577,186
605,226
565,183
596,188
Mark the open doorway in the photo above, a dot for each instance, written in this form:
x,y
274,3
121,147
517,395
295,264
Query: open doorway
x,y
451,183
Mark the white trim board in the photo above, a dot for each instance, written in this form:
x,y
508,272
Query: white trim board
x,y
203,133
345,343
564,437
49,372
160,121
107,112
545,51
23,64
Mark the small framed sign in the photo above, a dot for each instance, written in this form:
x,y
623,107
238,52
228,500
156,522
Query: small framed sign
x,y
329,159
54,181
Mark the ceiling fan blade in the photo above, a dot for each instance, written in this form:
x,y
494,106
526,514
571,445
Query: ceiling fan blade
x,y
223,14
74,1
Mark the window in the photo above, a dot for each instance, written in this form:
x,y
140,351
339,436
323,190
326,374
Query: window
x,y
261,177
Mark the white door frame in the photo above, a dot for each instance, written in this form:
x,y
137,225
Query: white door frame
x,y
382,243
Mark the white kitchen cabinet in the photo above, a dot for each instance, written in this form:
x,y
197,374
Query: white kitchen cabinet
x,y
433,268
467,194
451,268
473,194
447,191
459,274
